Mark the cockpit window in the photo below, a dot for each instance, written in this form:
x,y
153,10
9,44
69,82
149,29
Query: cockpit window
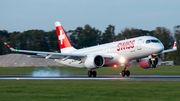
x,y
148,41
155,41
152,41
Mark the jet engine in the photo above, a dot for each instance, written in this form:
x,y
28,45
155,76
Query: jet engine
x,y
150,62
94,61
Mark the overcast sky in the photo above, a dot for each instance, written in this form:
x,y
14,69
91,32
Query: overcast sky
x,y
22,15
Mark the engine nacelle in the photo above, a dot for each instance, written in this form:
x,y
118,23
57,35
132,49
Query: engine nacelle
x,y
146,63
94,61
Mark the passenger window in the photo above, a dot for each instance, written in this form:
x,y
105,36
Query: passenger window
x,y
148,41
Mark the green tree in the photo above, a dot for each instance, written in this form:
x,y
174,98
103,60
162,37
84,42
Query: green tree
x,y
175,56
164,35
13,39
131,33
4,35
85,37
53,41
76,37
108,35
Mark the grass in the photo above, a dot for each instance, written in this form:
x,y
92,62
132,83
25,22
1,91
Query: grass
x,y
89,90
160,70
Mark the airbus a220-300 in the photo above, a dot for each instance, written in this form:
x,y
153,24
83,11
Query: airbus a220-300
x,y
144,49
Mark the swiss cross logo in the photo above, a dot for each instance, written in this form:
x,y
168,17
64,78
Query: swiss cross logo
x,y
61,37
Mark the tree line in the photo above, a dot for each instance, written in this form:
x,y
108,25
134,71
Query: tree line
x,y
86,36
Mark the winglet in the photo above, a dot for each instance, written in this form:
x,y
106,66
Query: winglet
x,y
12,49
171,50
175,45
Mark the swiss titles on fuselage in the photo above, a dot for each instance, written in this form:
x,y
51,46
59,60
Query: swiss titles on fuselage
x,y
125,45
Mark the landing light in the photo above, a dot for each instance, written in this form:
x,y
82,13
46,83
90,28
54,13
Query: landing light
x,y
122,60
153,59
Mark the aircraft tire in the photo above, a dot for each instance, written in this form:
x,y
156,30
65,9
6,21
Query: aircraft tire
x,y
153,66
94,73
123,73
127,73
90,73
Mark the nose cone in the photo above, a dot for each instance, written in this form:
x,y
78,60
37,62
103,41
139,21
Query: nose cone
x,y
158,48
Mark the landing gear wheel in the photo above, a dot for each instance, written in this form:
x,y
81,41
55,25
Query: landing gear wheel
x,y
123,73
127,73
153,66
94,73
89,73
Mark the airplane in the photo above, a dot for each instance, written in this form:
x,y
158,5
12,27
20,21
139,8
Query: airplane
x,y
143,49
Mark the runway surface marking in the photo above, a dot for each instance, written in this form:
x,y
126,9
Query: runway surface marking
x,y
99,77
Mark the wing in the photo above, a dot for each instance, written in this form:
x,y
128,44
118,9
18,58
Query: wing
x,y
171,50
52,55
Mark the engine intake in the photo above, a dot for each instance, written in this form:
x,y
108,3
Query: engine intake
x,y
98,61
94,61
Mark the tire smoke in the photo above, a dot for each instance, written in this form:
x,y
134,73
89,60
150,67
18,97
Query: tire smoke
x,y
46,72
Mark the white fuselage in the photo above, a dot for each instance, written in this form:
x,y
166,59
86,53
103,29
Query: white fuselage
x,y
129,49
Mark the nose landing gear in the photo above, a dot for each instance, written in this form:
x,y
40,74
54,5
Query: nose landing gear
x,y
125,72
92,73
153,65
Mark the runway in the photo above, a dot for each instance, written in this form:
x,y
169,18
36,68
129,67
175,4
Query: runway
x,y
99,77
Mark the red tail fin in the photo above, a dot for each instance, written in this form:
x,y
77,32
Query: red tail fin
x,y
64,42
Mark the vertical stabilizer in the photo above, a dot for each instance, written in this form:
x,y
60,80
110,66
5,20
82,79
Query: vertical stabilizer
x,y
64,43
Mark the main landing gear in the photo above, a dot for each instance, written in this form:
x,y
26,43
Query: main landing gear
x,y
125,72
92,73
